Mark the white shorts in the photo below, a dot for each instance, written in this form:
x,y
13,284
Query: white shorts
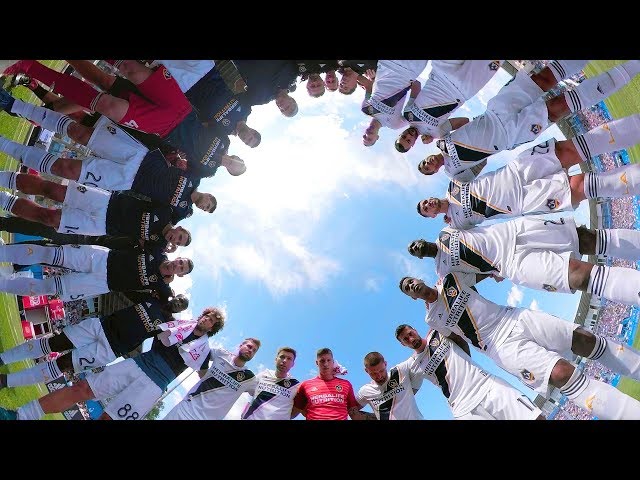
x,y
406,69
467,76
536,343
503,402
515,95
542,253
118,157
92,348
187,72
75,286
133,392
91,260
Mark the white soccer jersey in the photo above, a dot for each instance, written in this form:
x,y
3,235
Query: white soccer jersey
x,y
273,398
459,308
449,368
394,400
212,397
450,84
390,87
533,183
187,72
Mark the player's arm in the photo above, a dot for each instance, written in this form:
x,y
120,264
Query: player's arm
x,y
356,414
478,168
482,276
458,340
297,411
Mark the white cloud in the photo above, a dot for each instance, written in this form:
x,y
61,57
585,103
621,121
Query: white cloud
x,y
534,305
372,284
515,296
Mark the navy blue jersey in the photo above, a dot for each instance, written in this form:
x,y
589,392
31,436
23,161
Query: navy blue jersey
x,y
137,270
166,185
135,218
127,328
203,146
305,67
264,78
216,104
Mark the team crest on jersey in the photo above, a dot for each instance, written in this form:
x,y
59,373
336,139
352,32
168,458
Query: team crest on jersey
x,y
111,129
226,122
81,188
370,110
527,375
536,129
286,383
338,388
444,237
455,190
552,203
434,342
302,68
240,376
495,65
549,288
452,292
166,73
182,204
410,116
393,383
153,237
153,278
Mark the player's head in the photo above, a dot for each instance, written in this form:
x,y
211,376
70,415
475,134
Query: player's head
x,y
324,360
331,81
416,288
431,164
408,336
315,85
210,321
248,348
370,136
348,81
421,248
249,136
205,201
178,236
286,103
285,360
429,207
376,366
179,303
178,266
406,139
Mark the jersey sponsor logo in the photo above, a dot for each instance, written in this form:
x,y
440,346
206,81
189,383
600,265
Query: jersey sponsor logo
x,y
81,188
179,191
527,376
536,128
422,115
111,129
553,203
388,395
549,288
221,115
436,357
144,225
143,315
142,269
381,107
275,389
213,148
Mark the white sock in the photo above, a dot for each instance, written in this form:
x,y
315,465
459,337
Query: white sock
x,y
45,117
8,179
600,399
33,157
608,137
29,254
31,411
566,68
7,201
29,349
632,67
41,373
620,358
615,283
618,243
31,286
616,183
593,90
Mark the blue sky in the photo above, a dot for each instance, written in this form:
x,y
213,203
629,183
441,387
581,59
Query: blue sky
x,y
306,249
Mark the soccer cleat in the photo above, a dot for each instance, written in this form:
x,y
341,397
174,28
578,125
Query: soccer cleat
x,y
6,414
6,100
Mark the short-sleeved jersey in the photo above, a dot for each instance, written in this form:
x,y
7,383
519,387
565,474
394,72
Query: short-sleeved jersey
x,y
264,78
483,249
326,399
462,310
131,217
273,398
393,400
359,66
166,185
212,397
459,156
136,270
127,328
203,146
449,368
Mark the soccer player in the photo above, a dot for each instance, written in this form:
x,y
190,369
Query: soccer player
x,y
536,181
133,385
93,211
226,379
528,343
327,397
275,391
97,270
390,393
93,342
122,163
472,393
518,114
450,84
542,254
